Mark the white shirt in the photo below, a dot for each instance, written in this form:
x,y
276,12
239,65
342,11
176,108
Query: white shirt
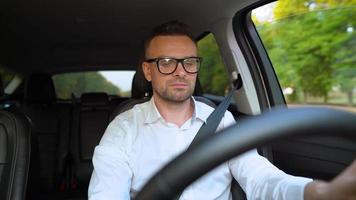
x,y
139,142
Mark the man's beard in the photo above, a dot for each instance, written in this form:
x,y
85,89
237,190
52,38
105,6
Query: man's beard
x,y
175,95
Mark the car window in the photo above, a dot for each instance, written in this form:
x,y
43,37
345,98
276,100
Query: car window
x,y
312,48
212,74
10,80
111,82
6,75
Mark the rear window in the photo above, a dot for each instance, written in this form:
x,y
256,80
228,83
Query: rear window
x,y
112,82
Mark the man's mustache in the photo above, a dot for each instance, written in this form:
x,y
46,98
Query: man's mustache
x,y
179,80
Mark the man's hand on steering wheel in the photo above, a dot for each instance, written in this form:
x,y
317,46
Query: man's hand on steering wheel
x,y
341,187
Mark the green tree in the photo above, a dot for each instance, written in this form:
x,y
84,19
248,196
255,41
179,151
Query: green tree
x,y
78,83
303,41
285,8
345,61
212,74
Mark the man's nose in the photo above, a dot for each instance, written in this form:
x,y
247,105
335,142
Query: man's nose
x,y
180,71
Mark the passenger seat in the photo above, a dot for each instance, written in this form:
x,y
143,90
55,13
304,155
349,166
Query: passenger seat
x,y
15,142
90,119
50,121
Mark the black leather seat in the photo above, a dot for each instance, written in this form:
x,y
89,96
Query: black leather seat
x,y
50,122
90,119
14,154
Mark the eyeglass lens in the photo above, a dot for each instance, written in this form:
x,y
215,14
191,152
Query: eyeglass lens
x,y
169,65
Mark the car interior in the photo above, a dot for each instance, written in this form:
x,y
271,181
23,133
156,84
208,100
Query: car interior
x,y
46,143
15,150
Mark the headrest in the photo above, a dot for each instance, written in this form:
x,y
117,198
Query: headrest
x,y
1,87
140,87
40,89
94,99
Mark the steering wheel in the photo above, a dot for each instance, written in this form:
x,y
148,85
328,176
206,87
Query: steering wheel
x,y
237,139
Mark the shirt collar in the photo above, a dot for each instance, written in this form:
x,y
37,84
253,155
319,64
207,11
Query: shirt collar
x,y
153,114
200,112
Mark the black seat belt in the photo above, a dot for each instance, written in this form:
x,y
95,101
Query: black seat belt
x,y
68,181
214,119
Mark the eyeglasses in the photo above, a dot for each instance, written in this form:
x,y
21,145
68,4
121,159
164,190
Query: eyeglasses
x,y
169,65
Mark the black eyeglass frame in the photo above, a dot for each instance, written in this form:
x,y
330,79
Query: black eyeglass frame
x,y
178,61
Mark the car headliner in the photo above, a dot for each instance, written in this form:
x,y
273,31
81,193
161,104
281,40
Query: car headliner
x,y
55,35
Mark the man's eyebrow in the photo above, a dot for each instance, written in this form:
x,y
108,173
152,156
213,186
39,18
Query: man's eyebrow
x,y
166,56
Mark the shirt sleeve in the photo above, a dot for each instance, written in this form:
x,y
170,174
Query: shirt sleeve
x,y
111,178
262,180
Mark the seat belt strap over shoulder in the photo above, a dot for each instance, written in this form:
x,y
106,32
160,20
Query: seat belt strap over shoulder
x,y
216,116
214,119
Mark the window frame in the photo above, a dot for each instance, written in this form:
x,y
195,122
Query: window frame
x,y
268,89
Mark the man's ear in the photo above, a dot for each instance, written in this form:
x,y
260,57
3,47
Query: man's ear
x,y
147,71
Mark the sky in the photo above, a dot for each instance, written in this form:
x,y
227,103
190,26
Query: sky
x,y
122,79
264,13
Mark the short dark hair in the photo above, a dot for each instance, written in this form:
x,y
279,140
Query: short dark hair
x,y
171,28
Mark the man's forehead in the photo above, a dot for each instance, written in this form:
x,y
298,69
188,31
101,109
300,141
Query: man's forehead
x,y
171,39
172,44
